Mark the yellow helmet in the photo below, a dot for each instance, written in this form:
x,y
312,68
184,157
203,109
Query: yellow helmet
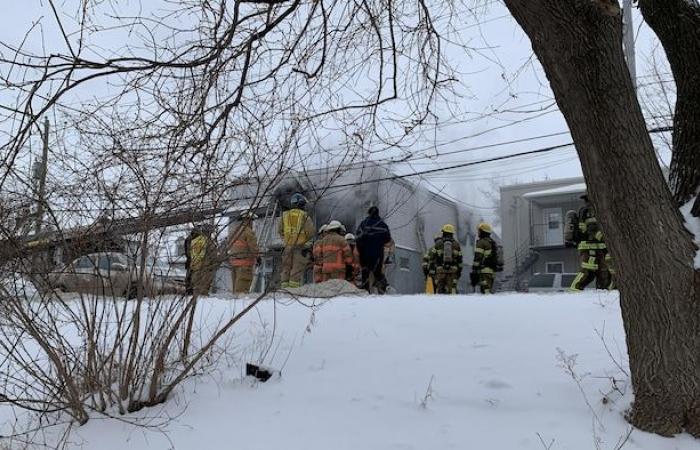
x,y
448,228
485,227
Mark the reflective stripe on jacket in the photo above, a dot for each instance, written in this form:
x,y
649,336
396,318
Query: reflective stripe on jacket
x,y
335,253
295,227
434,259
482,251
198,251
244,248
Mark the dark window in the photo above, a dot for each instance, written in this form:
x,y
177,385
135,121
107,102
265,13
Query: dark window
x,y
83,263
542,280
554,221
104,263
404,263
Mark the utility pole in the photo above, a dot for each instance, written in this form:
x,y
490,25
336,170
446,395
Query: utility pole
x,y
41,177
628,40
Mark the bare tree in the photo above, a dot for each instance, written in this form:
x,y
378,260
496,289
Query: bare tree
x,y
677,25
578,43
193,101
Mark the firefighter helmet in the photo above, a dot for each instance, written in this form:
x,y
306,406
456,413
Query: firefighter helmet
x,y
323,228
485,227
350,237
334,225
297,201
448,228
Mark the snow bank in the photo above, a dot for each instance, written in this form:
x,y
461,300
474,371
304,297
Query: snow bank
x,y
327,289
504,372
693,225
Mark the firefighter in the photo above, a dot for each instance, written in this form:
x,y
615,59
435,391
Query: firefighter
x,y
445,262
356,270
201,251
296,230
592,250
243,252
371,237
485,260
316,255
335,253
429,265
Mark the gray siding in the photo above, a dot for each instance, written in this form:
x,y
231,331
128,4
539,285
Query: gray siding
x,y
568,256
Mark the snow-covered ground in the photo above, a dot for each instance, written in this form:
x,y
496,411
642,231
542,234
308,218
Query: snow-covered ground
x,y
410,372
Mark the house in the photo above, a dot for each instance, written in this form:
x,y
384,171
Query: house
x,y
533,220
413,213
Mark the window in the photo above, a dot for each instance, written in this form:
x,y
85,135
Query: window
x,y
404,263
554,267
83,263
554,221
104,263
542,280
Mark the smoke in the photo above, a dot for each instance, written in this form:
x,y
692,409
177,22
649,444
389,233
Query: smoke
x,y
286,188
349,206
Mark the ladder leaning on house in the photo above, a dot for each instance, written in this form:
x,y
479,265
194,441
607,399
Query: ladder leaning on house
x,y
265,237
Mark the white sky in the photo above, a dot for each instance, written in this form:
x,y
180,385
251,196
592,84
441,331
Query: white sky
x,y
500,79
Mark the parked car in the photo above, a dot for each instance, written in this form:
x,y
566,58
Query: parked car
x,y
165,278
105,273
552,282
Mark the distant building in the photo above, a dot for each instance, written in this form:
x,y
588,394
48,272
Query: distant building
x,y
413,213
533,218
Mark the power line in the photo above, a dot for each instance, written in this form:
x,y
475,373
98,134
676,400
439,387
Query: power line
x,y
538,151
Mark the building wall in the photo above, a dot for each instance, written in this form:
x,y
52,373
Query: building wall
x,y
569,256
402,274
515,217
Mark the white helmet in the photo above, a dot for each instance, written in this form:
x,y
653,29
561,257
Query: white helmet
x,y
349,237
323,229
334,225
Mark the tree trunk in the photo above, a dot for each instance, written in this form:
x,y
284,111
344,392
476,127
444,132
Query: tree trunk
x,y
579,43
677,24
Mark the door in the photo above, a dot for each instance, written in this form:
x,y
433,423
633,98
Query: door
x,y
553,226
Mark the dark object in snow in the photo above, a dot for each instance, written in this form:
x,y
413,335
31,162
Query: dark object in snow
x,y
261,373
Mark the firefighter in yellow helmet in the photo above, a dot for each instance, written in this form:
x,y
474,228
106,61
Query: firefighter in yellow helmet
x,y
243,253
443,261
593,252
485,260
296,230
